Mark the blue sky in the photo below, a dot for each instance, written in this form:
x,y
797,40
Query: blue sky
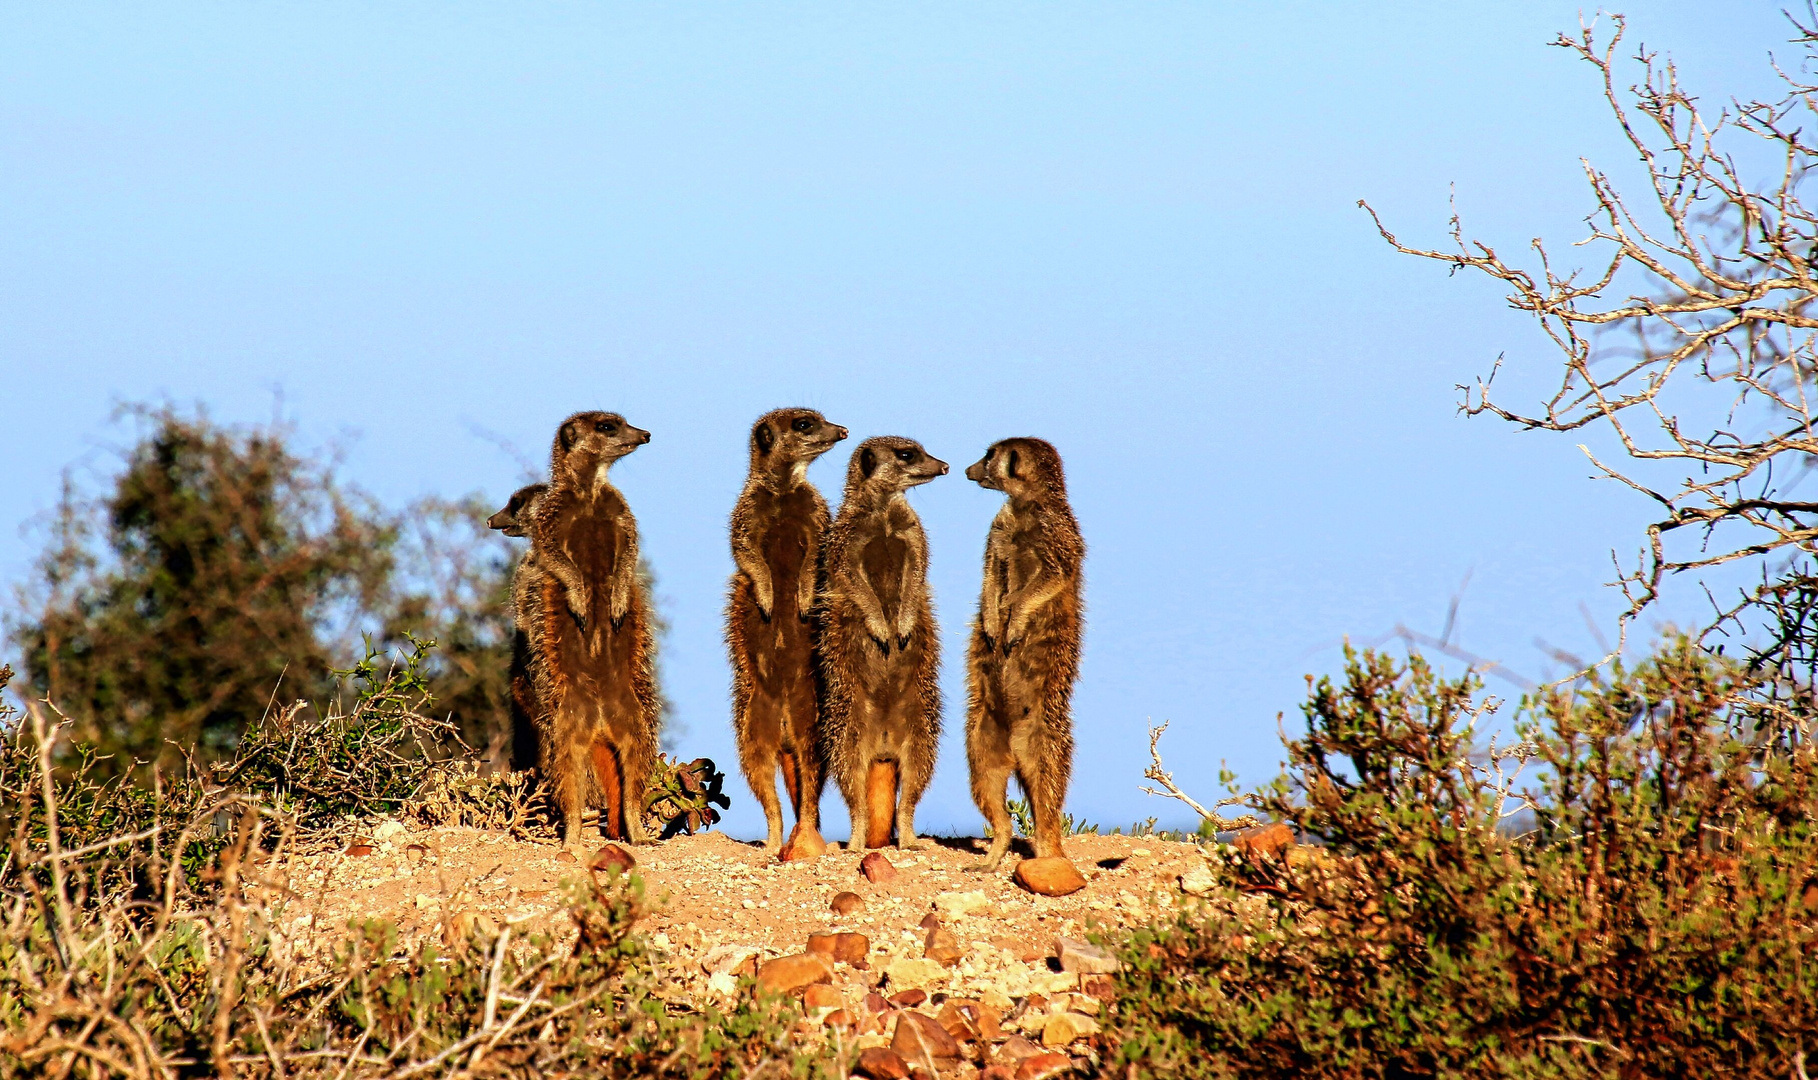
x,y
1130,229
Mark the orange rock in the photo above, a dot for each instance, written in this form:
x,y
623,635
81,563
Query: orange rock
x,y
877,869
879,1063
804,843
787,974
1054,876
612,859
923,1042
1016,1048
942,947
846,903
359,849
840,1018
1042,1066
565,855
990,1023
1022,950
1102,987
1265,842
997,1072
909,999
930,921
821,996
844,948
958,1022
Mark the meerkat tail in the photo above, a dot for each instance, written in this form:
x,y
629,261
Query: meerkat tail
x,y
880,801
792,782
612,791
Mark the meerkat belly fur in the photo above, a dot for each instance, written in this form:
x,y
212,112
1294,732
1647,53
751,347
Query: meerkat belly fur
x,y
879,645
590,657
777,530
513,519
1023,656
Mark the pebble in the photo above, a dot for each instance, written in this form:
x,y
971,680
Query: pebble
x,y
845,903
1197,881
877,869
957,905
1078,957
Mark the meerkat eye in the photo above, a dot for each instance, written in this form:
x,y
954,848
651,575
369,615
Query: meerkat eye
x,y
905,456
605,427
803,425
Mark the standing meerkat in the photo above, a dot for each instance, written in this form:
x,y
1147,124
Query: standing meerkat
x,y
526,618
591,658
1024,654
879,645
777,528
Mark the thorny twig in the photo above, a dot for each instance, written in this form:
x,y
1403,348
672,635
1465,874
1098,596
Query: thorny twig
x,y
1158,773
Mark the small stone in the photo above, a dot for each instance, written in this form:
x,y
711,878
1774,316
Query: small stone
x,y
845,903
881,1063
990,1021
388,829
565,855
1080,958
1022,950
733,960
875,1003
612,859
748,904
1265,842
922,1041
1054,876
804,843
957,905
1016,1048
958,1023
840,1018
787,974
844,948
457,928
908,999
359,850
997,1072
416,853
930,921
1042,1066
877,869
942,947
1064,1028
993,998
1100,987
914,974
722,984
1197,881
821,996
1139,852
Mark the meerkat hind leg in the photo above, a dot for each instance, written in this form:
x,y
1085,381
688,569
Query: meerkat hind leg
x,y
758,759
1045,808
792,781
990,789
880,802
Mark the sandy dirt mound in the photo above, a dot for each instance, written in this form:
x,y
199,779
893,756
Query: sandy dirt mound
x,y
721,908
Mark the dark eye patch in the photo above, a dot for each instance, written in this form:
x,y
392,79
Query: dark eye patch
x,y
803,424
605,427
906,456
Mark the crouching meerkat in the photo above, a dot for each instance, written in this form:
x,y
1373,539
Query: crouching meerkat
x,y
879,645
1024,654
777,528
591,649
514,520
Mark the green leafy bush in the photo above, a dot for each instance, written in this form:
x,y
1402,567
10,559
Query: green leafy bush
x,y
1655,918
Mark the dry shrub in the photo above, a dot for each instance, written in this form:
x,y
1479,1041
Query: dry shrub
x,y
1646,910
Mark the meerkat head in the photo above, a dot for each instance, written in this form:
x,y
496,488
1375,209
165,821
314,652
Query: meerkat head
x,y
890,463
514,519
788,437
1020,468
594,439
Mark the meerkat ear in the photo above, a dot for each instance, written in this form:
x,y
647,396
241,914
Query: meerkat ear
x,y
867,463
1011,467
565,437
763,438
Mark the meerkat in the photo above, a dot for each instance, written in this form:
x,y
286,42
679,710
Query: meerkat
x,y
777,528
513,519
591,651
879,645
1023,657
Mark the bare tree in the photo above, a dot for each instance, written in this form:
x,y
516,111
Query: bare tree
x,y
1691,338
